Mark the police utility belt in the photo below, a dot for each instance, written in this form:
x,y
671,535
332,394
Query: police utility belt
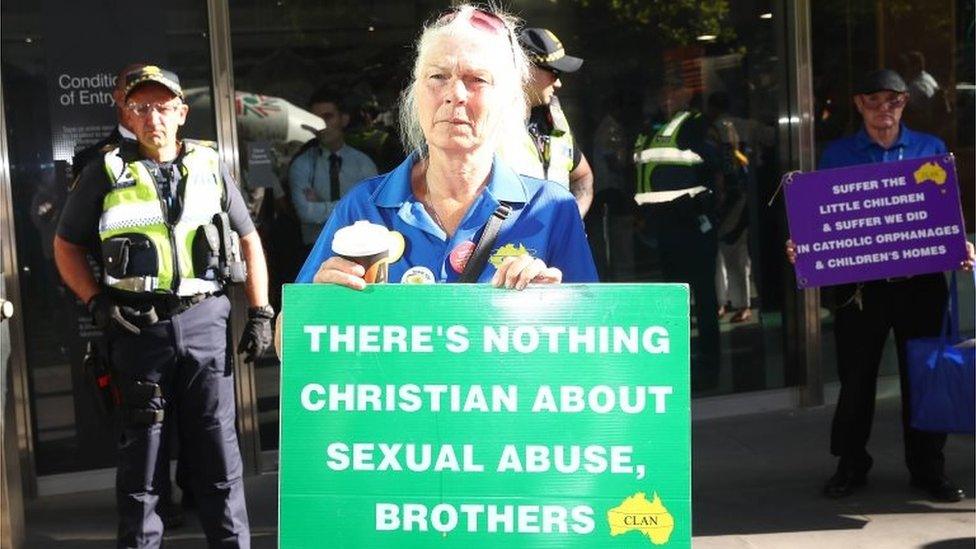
x,y
131,264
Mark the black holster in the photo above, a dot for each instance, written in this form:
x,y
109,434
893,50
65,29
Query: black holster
x,y
98,373
232,266
139,406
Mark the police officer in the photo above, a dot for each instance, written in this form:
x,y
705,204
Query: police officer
x,y
678,170
548,150
170,512
172,230
368,132
866,312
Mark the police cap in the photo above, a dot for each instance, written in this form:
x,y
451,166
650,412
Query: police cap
x,y
155,75
546,51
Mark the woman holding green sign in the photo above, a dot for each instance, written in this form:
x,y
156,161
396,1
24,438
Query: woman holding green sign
x,y
452,212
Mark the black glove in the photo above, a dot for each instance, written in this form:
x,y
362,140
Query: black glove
x,y
108,314
257,333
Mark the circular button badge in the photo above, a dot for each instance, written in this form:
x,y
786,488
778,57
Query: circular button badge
x,y
397,246
418,275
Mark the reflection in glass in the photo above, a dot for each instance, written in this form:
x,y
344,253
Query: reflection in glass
x,y
719,58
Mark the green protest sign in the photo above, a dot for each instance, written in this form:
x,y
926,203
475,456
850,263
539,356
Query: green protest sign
x,y
468,416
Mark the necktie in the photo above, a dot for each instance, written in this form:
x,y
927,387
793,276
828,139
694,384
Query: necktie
x,y
335,164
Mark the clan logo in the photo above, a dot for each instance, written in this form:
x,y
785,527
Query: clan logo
x,y
648,518
506,251
930,171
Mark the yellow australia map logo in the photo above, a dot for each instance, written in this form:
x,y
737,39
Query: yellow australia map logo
x,y
930,171
649,518
508,250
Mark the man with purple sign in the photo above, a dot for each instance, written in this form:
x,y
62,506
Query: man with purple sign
x,y
865,312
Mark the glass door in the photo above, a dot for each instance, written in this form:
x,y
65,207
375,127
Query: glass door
x,y
59,61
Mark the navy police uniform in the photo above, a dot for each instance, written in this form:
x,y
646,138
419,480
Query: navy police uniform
x,y
179,363
678,157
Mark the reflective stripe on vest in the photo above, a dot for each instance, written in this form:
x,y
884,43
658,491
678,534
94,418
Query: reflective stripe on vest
x,y
133,206
662,150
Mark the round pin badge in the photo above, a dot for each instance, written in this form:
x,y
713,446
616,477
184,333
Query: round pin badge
x,y
397,246
459,255
417,275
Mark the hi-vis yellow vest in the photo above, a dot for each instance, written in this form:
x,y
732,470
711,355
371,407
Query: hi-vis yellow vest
x,y
546,157
662,150
133,207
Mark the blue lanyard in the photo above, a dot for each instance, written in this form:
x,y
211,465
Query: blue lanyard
x,y
884,154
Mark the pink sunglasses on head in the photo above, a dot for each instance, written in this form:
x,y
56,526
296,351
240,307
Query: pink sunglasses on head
x,y
482,19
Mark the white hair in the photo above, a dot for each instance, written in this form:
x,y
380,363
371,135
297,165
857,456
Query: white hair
x,y
513,80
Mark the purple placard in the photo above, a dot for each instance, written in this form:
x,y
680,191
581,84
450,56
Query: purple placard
x,y
875,221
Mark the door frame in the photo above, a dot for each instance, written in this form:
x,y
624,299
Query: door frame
x,y
16,446
225,116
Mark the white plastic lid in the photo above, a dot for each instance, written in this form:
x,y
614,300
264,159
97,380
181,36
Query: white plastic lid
x,y
361,239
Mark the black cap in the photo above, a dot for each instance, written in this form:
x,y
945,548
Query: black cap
x,y
546,51
155,75
881,80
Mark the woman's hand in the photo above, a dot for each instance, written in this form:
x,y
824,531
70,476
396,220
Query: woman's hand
x,y
791,252
518,272
341,271
967,264
335,270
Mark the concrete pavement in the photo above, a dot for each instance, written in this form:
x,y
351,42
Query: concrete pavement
x,y
756,484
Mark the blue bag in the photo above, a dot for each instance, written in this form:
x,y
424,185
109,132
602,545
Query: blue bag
x,y
941,377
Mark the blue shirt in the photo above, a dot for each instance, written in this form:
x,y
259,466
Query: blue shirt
x,y
311,170
859,149
544,222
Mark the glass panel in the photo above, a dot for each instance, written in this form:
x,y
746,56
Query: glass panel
x,y
283,54
720,58
720,62
57,100
931,44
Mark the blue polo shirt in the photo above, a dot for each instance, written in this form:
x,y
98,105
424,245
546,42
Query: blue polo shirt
x,y
859,149
544,222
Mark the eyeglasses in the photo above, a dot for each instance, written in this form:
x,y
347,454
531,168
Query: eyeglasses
x,y
164,109
874,101
485,20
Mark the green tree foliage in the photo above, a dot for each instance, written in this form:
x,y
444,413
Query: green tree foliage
x,y
674,22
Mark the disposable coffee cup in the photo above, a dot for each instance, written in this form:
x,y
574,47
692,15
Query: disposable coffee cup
x,y
367,244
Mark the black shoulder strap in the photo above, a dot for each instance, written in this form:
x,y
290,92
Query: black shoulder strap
x,y
476,263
